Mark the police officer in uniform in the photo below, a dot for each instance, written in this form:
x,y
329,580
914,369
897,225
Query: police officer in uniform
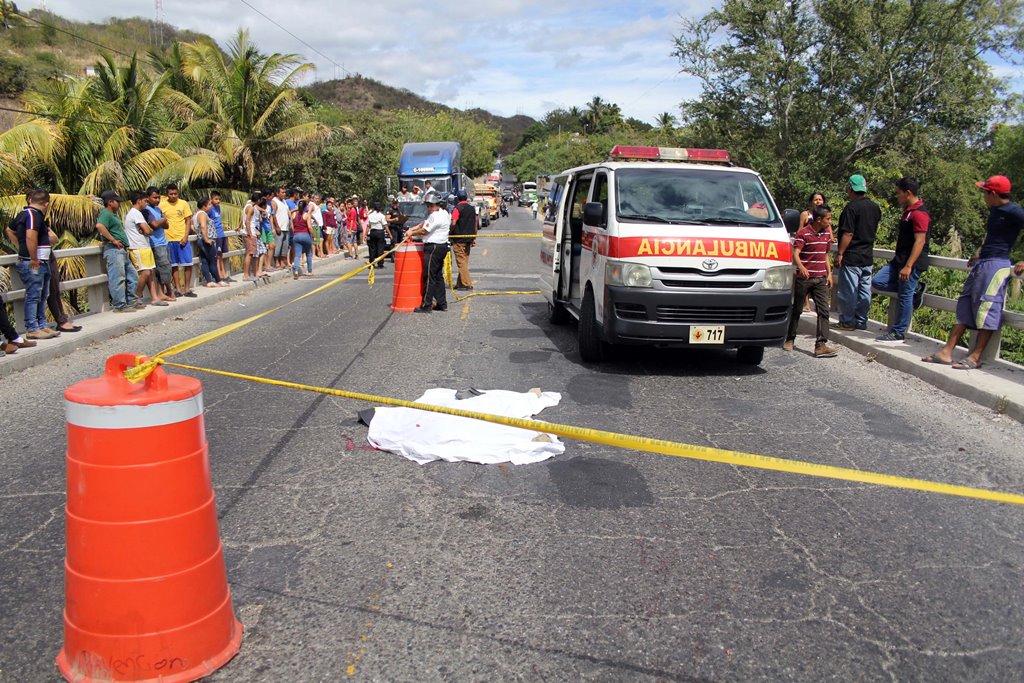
x,y
463,234
434,233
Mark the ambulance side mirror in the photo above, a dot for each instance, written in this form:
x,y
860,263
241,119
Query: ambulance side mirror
x,y
791,219
593,214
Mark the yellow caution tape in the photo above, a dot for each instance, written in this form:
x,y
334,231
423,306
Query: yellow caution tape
x,y
513,235
649,445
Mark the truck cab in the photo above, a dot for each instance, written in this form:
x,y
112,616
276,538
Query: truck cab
x,y
667,247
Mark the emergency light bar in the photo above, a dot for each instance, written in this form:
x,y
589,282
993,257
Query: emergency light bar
x,y
669,153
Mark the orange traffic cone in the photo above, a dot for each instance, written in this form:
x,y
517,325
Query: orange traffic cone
x,y
146,592
409,287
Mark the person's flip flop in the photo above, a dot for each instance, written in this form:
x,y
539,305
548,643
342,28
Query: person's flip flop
x,y
935,359
966,364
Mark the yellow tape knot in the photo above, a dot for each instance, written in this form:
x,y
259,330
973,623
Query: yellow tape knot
x,y
371,276
142,370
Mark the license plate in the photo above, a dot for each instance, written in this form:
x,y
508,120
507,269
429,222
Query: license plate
x,y
707,334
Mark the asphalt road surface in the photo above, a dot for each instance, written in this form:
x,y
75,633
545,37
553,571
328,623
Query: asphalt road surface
x,y
602,564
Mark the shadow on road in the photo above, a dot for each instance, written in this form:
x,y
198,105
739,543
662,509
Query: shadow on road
x,y
628,360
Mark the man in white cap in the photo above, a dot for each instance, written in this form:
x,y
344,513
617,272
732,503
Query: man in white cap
x,y
434,231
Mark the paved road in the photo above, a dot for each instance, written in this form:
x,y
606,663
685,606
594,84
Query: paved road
x,y
601,564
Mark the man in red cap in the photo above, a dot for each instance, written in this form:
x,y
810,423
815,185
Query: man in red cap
x,y
980,306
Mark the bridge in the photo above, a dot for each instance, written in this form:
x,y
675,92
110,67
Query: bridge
x,y
603,563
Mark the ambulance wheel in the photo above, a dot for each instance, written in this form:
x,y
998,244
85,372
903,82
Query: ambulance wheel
x,y
588,336
557,315
750,355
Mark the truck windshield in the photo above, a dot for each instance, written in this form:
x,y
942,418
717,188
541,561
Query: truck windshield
x,y
441,184
689,196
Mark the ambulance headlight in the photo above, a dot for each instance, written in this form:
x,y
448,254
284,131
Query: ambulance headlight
x,y
628,274
778,277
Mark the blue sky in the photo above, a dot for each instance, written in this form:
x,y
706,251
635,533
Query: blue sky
x,y
508,57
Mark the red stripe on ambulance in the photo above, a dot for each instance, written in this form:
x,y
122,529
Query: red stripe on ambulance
x,y
625,247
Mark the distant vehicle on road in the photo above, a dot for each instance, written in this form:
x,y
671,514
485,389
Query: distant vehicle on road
x,y
438,162
489,195
483,212
528,195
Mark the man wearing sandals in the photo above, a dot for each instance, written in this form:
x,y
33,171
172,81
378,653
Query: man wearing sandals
x,y
980,306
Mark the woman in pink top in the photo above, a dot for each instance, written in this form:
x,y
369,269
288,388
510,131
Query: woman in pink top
x,y
303,239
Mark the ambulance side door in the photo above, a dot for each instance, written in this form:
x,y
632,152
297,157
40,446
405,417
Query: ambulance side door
x,y
553,262
595,238
572,286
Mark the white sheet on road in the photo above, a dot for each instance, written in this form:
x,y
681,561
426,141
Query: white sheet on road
x,y
424,437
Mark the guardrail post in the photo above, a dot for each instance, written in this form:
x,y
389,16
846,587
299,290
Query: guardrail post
x,y
18,305
98,294
991,352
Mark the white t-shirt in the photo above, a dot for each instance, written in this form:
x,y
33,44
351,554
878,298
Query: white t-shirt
x,y
437,225
377,221
315,215
284,220
136,238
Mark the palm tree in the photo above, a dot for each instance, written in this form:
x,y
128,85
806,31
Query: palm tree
x,y
592,116
666,122
251,105
9,15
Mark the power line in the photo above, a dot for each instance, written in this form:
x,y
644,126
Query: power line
x,y
278,25
75,36
79,119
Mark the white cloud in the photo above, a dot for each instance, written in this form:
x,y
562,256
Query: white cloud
x,y
508,57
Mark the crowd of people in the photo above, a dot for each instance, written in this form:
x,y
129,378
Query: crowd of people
x,y
149,251
979,307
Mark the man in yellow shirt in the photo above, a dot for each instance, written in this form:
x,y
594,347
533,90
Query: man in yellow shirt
x,y
179,219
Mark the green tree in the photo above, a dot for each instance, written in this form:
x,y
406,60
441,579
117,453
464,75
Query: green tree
x,y
248,100
807,92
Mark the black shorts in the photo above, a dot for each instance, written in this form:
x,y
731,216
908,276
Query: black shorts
x,y
222,245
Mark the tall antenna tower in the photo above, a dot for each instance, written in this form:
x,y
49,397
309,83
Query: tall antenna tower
x,y
158,22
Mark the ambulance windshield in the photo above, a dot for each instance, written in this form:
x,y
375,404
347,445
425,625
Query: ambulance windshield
x,y
688,196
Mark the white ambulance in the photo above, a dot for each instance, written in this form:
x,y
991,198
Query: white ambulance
x,y
667,247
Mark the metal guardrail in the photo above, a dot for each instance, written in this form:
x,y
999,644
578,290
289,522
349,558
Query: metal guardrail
x,y
95,280
941,303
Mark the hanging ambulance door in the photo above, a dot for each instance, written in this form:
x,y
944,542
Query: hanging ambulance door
x,y
573,253
595,241
554,262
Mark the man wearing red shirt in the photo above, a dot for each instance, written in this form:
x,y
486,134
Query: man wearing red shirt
x,y
903,272
813,276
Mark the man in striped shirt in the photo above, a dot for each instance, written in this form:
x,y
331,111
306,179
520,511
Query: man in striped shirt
x,y
813,276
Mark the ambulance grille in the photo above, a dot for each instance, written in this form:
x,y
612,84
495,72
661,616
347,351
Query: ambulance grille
x,y
744,272
708,284
701,315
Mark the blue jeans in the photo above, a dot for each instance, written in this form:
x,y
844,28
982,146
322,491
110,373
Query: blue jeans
x,y
854,294
122,279
37,288
888,280
304,243
208,261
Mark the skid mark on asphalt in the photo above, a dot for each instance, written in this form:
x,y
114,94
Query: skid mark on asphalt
x,y
610,662
282,443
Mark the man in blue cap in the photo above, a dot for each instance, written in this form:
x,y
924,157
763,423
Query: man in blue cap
x,y
463,234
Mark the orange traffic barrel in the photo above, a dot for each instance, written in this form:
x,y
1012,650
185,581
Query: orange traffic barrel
x,y
409,287
146,592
